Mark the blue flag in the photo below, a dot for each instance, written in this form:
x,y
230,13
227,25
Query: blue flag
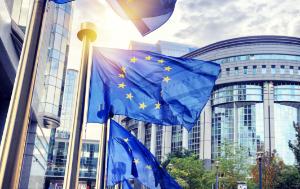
x,y
126,185
61,1
136,161
149,87
146,16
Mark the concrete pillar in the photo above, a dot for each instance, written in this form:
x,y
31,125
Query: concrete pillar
x,y
268,92
153,139
185,138
166,142
205,135
28,156
236,124
141,132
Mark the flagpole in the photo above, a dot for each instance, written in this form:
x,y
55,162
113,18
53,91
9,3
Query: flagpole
x,y
101,168
87,35
17,121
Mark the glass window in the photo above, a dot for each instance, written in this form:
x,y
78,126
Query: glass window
x,y
291,71
57,42
236,70
254,70
60,17
50,94
259,57
282,69
263,69
245,70
228,71
273,69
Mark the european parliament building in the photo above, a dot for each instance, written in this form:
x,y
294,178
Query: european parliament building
x,y
254,103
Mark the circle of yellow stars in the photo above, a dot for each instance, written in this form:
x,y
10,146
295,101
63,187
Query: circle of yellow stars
x,y
166,79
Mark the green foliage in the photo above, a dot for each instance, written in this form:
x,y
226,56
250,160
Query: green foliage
x,y
288,178
271,168
233,166
296,146
190,172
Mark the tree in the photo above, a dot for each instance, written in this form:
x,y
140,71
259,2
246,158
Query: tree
x,y
190,172
288,178
234,165
296,146
271,168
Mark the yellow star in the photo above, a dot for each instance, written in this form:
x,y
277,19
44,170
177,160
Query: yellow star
x,y
122,85
123,69
126,140
133,60
148,167
129,96
148,57
157,106
142,106
136,161
121,75
161,61
168,68
166,79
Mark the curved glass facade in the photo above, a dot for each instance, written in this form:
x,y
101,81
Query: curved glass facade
x,y
236,93
284,116
258,57
285,92
239,123
69,95
56,59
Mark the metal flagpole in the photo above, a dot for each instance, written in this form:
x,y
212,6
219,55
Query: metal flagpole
x,y
87,34
101,168
16,126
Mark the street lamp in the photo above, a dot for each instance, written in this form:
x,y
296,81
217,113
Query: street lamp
x,y
259,157
217,174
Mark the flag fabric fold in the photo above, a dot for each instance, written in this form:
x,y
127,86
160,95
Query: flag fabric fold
x,y
149,87
146,16
61,1
136,161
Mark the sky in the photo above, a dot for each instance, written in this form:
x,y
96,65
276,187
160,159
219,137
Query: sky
x,y
194,22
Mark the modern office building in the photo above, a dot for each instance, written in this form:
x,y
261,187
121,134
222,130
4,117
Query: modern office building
x,y
254,104
68,105
59,143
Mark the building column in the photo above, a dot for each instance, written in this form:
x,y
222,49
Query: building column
x,y
269,130
28,156
141,132
205,134
153,139
166,142
236,124
185,138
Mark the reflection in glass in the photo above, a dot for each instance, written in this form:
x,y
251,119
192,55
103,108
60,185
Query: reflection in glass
x,y
284,116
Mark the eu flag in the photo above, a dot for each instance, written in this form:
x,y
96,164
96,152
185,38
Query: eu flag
x,y
146,15
128,159
61,1
149,87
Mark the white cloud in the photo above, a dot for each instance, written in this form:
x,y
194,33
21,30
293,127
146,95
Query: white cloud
x,y
197,22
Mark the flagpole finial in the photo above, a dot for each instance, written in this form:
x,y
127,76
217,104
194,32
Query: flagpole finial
x,y
87,29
